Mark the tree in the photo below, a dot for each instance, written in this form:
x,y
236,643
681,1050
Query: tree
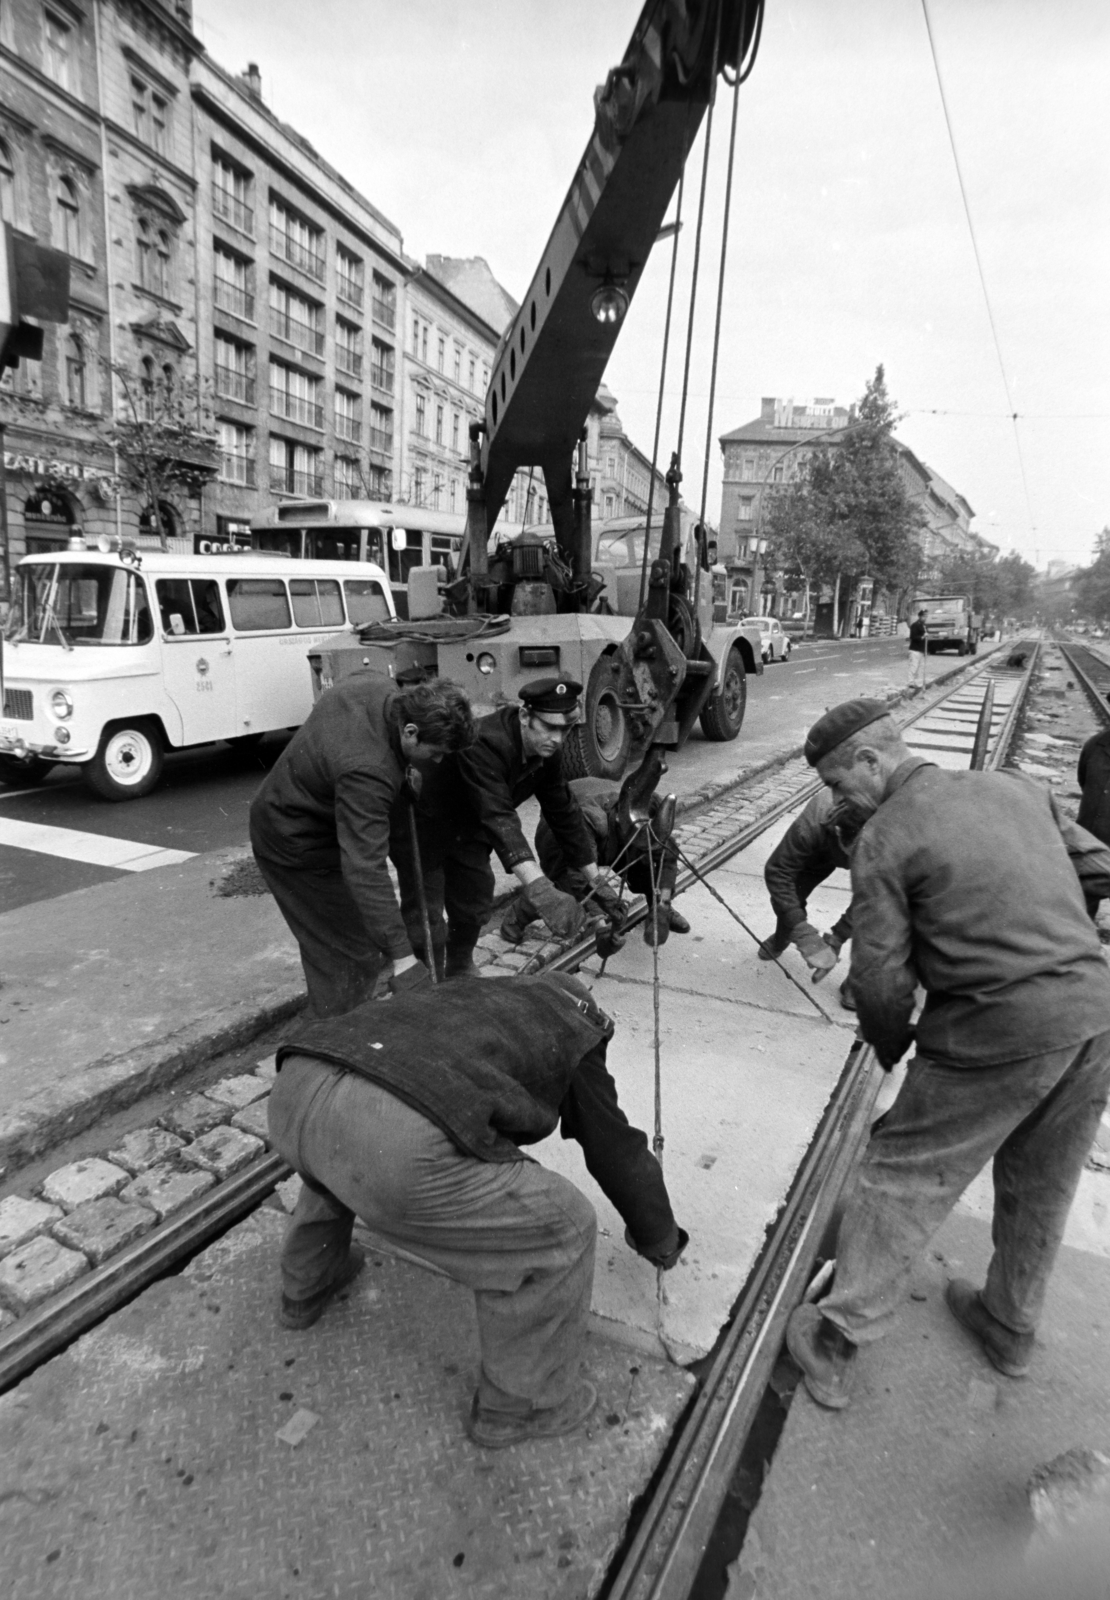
x,y
162,437
1092,587
997,588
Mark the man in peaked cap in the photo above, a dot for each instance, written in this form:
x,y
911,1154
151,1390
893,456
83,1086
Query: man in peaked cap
x,y
468,808
972,885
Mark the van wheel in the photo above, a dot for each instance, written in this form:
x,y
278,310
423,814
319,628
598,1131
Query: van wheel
x,y
598,746
723,714
22,774
128,763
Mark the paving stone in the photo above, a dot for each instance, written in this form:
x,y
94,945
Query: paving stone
x,y
143,1149
195,1115
6,1319
289,1191
21,1220
223,1151
82,1181
237,1092
37,1270
513,960
254,1119
167,1187
101,1227
267,1067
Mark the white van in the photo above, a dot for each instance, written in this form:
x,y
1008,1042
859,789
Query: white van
x,y
114,656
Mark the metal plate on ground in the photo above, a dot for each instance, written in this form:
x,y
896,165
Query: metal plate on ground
x,y
154,1456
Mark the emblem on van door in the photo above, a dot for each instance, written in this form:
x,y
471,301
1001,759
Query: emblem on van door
x,y
202,666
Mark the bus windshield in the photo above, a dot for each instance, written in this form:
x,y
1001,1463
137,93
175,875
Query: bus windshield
x,y
72,605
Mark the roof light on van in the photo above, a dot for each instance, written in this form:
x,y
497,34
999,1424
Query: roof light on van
x,y
109,543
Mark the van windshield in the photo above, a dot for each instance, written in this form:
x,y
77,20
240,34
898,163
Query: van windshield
x,y
71,604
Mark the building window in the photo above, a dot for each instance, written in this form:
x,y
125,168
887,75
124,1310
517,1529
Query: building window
x,y
67,217
744,509
231,193
155,258
381,429
236,453
747,469
383,307
456,369
441,353
159,124
347,479
295,468
346,416
424,344
453,487
421,417
76,372
298,321
234,285
234,370
455,432
485,377
296,240
473,367
7,185
416,336
777,474
439,424
58,50
349,277
419,478
382,358
348,348
295,395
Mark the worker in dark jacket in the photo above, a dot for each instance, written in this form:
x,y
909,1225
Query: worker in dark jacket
x,y
411,1115
1094,807
812,848
320,828
468,809
971,885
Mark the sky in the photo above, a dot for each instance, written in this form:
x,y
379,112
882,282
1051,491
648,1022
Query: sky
x,y
850,243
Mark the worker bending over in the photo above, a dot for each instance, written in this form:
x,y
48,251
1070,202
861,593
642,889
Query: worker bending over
x,y
972,885
411,1115
816,843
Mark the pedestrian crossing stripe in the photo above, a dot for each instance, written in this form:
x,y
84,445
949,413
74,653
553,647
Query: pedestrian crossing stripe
x,y
95,849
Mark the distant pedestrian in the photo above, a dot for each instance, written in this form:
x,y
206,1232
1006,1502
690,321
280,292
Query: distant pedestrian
x,y
971,885
918,635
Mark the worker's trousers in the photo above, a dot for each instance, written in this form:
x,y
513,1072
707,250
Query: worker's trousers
x,y
340,962
1037,1118
458,886
519,1235
916,677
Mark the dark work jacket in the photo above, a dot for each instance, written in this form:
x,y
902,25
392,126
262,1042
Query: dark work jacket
x,y
808,852
1094,780
489,1063
918,631
480,789
326,804
972,884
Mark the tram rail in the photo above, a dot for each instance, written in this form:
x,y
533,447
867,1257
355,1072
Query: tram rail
x,y
1093,675
661,1557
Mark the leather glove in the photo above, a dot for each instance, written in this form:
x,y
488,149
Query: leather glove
x,y
412,978
607,900
833,940
561,912
818,956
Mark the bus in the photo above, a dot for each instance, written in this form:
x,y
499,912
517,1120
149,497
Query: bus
x,y
393,537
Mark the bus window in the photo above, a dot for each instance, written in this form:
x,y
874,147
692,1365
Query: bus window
x,y
316,603
444,551
282,541
375,548
331,544
365,601
190,605
257,603
401,562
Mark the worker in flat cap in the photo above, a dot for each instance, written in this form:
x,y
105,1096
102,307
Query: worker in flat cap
x,y
468,809
971,885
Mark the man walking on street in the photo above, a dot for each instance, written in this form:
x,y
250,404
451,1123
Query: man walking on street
x,y
972,885
411,1115
320,828
918,652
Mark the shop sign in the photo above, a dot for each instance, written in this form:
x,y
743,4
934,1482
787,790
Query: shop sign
x,y
54,467
49,508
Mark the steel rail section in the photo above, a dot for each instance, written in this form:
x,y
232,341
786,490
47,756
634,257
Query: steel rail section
x,y
1001,746
1096,696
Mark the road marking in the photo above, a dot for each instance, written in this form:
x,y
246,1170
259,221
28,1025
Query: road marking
x,y
14,794
95,849
801,671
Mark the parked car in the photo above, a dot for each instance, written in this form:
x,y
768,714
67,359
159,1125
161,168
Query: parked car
x,y
776,644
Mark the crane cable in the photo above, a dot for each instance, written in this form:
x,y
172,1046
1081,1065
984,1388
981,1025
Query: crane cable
x,y
662,383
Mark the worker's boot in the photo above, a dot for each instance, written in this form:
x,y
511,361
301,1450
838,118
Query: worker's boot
x,y
516,921
826,1356
679,923
494,1429
847,998
459,962
1004,1349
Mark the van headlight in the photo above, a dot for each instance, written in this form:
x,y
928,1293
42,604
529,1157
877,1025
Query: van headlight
x,y
61,705
486,663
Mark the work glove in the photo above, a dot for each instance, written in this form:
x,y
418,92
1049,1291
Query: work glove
x,y
834,941
818,956
412,978
606,899
561,912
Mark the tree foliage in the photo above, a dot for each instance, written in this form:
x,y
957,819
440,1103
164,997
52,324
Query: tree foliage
x,y
163,438
1092,587
997,588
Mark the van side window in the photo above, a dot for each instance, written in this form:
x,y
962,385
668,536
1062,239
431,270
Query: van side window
x,y
189,606
316,603
258,603
365,601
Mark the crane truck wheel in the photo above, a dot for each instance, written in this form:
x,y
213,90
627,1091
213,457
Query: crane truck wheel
x,y
723,715
598,746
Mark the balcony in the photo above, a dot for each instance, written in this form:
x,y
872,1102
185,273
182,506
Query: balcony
x,y
304,335
232,385
349,291
283,480
382,378
384,312
347,428
294,408
237,469
237,212
230,297
348,361
381,439
297,254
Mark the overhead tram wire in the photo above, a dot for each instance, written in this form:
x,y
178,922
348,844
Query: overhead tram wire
x,y
978,262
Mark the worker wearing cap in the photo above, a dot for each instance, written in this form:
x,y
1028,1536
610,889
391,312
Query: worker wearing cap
x,y
918,636
468,809
970,884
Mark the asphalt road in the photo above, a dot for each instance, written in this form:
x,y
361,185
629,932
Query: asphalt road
x,y
202,800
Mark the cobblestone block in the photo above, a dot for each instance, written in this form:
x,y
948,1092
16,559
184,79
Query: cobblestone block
x,y
141,1149
237,1092
254,1119
21,1220
195,1115
167,1187
37,1270
289,1191
267,1068
6,1319
513,960
83,1181
223,1151
101,1227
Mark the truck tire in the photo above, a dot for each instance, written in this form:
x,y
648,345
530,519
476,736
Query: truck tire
x,y
723,714
961,648
598,746
128,763
17,774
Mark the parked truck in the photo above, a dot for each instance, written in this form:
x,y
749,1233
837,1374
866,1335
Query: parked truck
x,y
950,623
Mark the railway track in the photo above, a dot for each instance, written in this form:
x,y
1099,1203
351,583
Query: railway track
x,y
1092,673
970,723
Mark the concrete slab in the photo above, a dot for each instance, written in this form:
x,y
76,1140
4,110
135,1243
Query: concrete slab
x,y
153,1456
923,1477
